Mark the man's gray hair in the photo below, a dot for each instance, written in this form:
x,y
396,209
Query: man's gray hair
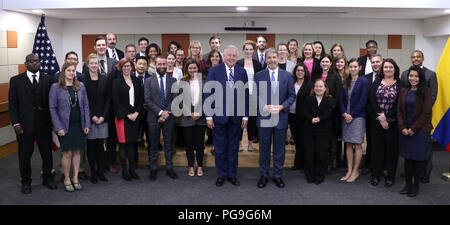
x,y
376,55
230,46
271,50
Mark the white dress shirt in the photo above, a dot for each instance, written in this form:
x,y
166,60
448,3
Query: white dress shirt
x,y
110,52
30,76
131,95
368,66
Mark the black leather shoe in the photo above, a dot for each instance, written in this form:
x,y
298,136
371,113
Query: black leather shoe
x,y
279,182
50,184
26,188
425,180
94,180
374,181
388,183
234,181
102,177
134,175
317,182
172,174
262,182
152,175
405,190
126,175
220,181
414,191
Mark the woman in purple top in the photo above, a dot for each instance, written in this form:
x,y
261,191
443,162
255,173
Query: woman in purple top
x,y
383,97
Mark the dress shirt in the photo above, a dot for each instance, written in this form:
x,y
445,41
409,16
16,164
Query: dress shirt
x,y
106,63
195,89
30,76
110,52
131,94
368,68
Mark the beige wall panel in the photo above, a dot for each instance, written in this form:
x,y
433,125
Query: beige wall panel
x,y
3,56
4,76
381,41
25,41
13,70
123,40
3,39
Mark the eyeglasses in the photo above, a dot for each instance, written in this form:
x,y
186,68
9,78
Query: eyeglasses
x,y
73,59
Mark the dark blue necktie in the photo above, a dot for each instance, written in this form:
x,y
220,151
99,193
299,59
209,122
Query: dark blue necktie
x,y
261,60
274,82
161,89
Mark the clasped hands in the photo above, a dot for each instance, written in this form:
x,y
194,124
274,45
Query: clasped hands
x,y
274,109
382,118
164,116
98,120
408,132
348,118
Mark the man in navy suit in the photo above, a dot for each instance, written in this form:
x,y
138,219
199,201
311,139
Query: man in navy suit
x,y
71,57
142,43
226,121
272,120
112,52
261,43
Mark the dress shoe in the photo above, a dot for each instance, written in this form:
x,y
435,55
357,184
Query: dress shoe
x,y
234,181
374,181
279,182
191,172
69,187
405,190
152,175
425,180
262,182
388,183
50,184
171,174
94,180
352,179
220,181
134,175
199,172
126,175
26,188
77,186
414,191
102,177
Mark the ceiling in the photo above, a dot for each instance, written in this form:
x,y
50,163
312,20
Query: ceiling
x,y
253,12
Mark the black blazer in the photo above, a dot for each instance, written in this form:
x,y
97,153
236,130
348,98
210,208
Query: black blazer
x,y
119,53
391,115
120,97
324,111
334,83
99,96
20,101
316,70
256,65
302,94
363,61
255,56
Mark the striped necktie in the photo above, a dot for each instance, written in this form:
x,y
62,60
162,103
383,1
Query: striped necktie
x,y
113,53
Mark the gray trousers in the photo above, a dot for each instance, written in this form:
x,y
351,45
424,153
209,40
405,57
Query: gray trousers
x,y
155,132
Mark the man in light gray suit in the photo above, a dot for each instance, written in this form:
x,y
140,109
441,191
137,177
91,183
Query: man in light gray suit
x,y
158,98
430,76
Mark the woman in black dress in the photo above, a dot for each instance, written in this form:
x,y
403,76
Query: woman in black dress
x,y
128,100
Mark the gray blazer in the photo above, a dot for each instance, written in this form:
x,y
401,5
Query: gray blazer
x,y
152,97
186,121
430,77
59,104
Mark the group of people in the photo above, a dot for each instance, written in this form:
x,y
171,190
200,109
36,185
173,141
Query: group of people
x,y
324,99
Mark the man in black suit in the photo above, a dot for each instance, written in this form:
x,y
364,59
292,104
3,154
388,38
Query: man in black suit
x,y
30,117
417,59
107,67
130,52
376,61
364,61
113,52
261,43
71,57
142,43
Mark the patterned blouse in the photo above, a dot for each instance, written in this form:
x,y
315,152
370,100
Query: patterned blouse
x,y
386,96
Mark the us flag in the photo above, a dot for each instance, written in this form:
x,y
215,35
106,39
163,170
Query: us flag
x,y
43,48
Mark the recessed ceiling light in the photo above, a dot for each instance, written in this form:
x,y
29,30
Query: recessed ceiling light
x,y
241,8
447,11
37,11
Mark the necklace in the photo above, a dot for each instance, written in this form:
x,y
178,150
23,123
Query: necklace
x,y
70,99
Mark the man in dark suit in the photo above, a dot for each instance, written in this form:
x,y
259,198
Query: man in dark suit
x,y
227,119
107,67
142,43
112,51
364,61
158,97
141,74
214,44
278,97
261,43
376,61
30,117
130,52
71,57
417,59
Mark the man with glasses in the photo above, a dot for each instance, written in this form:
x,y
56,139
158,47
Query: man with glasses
x,y
71,57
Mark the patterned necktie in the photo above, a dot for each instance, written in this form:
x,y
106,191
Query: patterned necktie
x,y
102,69
274,82
162,94
261,60
114,54
231,79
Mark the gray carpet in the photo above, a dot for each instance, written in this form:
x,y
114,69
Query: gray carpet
x,y
202,191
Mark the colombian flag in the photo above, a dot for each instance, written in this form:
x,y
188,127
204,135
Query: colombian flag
x,y
441,108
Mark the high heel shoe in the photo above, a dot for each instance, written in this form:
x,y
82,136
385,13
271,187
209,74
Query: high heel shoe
x,y
352,179
69,187
346,177
191,172
199,172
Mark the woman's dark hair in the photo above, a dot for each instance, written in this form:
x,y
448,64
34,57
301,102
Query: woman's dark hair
x,y
422,86
305,68
348,79
396,69
153,45
173,43
208,60
186,76
322,54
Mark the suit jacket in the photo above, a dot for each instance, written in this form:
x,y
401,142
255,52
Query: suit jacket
x,y
119,53
422,113
302,94
256,65
257,57
358,99
324,111
286,97
430,77
59,104
55,78
218,73
20,101
121,98
152,97
370,80
316,70
391,115
334,83
99,96
186,121
138,54
112,70
363,62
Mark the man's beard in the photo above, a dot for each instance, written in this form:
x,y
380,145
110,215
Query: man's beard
x,y
161,71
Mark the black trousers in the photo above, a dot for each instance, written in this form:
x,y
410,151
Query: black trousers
x,y
111,142
316,148
194,139
43,136
96,156
369,144
414,170
143,129
127,151
298,134
385,150
428,161
251,129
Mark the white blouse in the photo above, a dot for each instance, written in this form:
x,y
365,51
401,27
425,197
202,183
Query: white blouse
x,y
195,91
251,76
131,94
